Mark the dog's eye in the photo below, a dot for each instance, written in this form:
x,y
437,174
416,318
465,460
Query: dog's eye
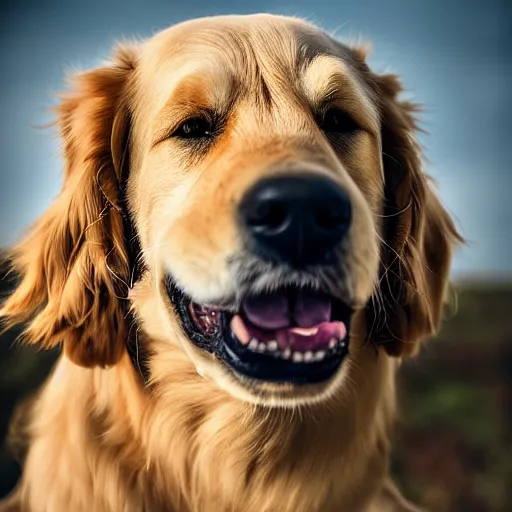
x,y
337,121
195,128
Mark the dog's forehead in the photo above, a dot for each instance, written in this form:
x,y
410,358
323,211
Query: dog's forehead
x,y
249,29
281,44
242,49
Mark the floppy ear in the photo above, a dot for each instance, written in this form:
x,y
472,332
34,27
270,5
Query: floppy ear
x,y
73,264
418,235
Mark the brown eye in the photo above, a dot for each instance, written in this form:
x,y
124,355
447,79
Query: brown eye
x,y
195,128
337,121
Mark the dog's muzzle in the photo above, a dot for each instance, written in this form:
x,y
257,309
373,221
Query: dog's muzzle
x,y
290,331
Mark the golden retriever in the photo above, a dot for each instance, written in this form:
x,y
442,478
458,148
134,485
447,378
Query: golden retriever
x,y
244,248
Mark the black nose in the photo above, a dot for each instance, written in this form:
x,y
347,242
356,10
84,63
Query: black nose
x,y
296,219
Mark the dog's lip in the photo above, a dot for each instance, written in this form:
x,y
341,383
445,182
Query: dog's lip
x,y
302,367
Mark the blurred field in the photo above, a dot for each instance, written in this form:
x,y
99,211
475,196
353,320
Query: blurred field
x,y
453,446
453,449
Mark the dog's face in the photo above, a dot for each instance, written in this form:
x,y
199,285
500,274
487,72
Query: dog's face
x,y
274,186
256,182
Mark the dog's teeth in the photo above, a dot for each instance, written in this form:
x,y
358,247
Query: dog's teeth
x,y
308,356
272,346
319,355
262,347
333,343
287,353
343,343
297,357
253,344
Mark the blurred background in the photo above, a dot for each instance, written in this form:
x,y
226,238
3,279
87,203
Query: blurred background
x,y
453,449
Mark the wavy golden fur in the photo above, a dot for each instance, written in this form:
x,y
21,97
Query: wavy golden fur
x,y
103,439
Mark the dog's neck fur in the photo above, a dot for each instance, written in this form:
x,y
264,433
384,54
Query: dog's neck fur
x,y
199,447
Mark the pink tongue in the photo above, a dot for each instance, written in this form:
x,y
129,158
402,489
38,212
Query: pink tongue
x,y
311,309
270,311
284,309
318,338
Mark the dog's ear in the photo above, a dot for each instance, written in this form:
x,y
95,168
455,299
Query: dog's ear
x,y
418,234
73,264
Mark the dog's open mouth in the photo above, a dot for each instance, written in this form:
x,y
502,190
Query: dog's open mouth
x,y
292,334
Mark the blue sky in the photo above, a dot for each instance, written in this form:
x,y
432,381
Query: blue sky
x,y
453,55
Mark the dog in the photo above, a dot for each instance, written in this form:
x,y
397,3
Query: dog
x,y
244,249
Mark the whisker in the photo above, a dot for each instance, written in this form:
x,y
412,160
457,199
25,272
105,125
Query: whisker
x,y
395,214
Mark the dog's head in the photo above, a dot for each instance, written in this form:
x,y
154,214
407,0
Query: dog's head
x,y
263,186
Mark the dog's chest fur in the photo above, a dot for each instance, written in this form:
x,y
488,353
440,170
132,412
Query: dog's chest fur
x,y
125,452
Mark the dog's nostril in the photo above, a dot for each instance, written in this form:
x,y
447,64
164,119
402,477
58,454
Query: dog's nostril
x,y
331,220
268,215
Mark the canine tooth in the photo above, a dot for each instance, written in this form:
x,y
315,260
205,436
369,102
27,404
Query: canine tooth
x,y
240,330
297,357
308,356
332,343
287,353
319,355
272,346
253,344
343,343
262,347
